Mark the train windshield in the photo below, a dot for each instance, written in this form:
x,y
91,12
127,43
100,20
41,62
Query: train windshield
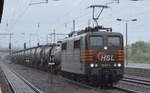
x,y
114,41
96,41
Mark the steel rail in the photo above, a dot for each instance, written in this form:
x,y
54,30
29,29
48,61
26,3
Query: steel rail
x,y
138,81
9,84
125,89
28,83
11,78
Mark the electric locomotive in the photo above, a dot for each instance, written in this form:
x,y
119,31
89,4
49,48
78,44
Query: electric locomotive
x,y
93,55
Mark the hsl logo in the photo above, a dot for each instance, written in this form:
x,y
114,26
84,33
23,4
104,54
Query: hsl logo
x,y
101,56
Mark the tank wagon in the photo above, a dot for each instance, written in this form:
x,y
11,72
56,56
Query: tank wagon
x,y
94,55
38,57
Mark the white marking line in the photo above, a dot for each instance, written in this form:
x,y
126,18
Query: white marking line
x,y
0,90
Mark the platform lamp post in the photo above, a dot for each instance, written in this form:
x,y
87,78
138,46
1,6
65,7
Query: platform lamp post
x,y
10,37
126,48
24,43
10,43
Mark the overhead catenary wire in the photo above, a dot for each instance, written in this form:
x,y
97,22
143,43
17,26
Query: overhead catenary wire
x,y
80,17
137,15
140,14
24,11
14,10
12,13
70,21
20,16
77,17
70,11
40,2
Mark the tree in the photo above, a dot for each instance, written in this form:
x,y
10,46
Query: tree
x,y
139,52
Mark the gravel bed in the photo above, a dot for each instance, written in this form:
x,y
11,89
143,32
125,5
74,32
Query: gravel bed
x,y
47,82
138,72
116,91
133,86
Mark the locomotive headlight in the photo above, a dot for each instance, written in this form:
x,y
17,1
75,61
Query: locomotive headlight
x,y
119,65
91,65
105,47
96,65
115,65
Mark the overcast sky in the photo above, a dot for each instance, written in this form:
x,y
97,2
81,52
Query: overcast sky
x,y
23,19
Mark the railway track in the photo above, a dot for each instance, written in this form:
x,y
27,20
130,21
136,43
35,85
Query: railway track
x,y
115,89
134,85
86,86
28,83
17,83
126,90
138,81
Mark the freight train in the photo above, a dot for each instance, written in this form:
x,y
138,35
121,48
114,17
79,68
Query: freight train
x,y
94,55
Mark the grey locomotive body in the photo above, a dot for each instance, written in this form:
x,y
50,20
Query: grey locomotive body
x,y
95,56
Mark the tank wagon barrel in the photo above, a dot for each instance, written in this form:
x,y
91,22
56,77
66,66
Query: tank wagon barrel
x,y
38,57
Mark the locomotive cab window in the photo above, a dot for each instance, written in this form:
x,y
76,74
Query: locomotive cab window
x,y
96,41
77,44
113,41
64,46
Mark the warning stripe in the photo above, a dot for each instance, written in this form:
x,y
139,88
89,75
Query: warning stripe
x,y
120,59
120,56
87,51
88,54
120,50
121,53
87,59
